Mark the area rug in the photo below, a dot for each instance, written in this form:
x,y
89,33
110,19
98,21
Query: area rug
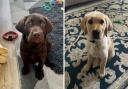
x,y
76,54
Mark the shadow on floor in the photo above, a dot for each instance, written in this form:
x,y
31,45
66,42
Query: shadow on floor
x,y
27,81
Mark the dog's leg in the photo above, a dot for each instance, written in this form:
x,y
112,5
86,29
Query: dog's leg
x,y
111,51
88,65
96,63
102,67
26,68
39,72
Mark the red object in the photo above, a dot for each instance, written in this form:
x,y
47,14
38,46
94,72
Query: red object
x,y
10,36
59,1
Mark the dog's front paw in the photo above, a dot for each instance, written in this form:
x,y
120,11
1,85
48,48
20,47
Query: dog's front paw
x,y
39,74
25,70
101,74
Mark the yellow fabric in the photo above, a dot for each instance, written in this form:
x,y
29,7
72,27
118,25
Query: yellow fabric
x,y
3,54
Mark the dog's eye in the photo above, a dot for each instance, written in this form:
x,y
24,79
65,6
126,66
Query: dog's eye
x,y
42,24
101,21
90,21
30,24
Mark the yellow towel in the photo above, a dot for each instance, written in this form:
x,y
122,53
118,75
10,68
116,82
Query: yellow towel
x,y
3,54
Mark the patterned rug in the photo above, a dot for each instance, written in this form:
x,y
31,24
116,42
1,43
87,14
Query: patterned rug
x,y
75,50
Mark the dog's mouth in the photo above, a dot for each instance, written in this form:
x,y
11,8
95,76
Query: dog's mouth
x,y
35,37
36,40
92,41
95,40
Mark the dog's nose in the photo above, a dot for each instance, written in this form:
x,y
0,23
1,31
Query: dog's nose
x,y
96,34
36,34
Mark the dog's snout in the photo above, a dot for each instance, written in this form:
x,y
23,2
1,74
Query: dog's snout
x,y
36,34
96,31
96,34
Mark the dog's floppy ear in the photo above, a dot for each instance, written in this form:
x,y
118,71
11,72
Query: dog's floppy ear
x,y
109,25
48,25
83,24
20,25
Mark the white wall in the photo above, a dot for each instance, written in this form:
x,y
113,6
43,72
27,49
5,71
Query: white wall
x,y
5,16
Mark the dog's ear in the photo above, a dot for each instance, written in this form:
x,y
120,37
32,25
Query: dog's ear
x,y
83,24
21,24
48,25
109,25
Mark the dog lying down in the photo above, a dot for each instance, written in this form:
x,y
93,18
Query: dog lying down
x,y
100,46
34,46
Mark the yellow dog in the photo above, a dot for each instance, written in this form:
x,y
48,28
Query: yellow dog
x,y
100,46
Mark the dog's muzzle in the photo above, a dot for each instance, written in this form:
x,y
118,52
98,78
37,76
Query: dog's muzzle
x,y
36,34
96,34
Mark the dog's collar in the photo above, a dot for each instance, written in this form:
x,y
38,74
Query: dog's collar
x,y
92,41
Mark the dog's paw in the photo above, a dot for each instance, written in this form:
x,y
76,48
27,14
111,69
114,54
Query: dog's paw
x,y
25,70
101,74
39,74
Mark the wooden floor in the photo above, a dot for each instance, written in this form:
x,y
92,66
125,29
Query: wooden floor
x,y
9,74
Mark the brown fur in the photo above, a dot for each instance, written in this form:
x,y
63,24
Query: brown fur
x,y
35,45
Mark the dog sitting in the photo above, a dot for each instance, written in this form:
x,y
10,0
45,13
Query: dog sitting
x,y
34,47
100,46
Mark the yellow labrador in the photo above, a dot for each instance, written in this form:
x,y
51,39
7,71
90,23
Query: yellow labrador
x,y
100,46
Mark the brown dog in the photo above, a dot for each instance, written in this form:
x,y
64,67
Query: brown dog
x,y
100,46
35,46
